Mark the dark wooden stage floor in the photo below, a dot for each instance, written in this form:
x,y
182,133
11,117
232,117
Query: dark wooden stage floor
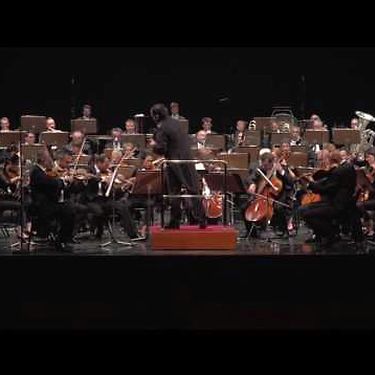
x,y
261,285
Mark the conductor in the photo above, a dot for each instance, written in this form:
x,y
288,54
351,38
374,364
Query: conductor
x,y
171,142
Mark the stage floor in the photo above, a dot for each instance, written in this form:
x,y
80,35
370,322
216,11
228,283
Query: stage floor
x,y
270,245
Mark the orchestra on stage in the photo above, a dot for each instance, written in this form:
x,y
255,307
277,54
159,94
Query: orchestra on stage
x,y
275,173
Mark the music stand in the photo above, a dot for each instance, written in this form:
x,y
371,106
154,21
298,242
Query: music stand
x,y
298,159
216,182
135,162
34,124
184,125
30,152
235,160
216,141
57,139
84,159
278,138
127,171
346,136
264,123
252,151
299,148
138,140
252,138
315,137
11,137
148,183
89,126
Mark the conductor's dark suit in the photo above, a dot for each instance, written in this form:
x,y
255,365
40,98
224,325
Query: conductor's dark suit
x,y
174,144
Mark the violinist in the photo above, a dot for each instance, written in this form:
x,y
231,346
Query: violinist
x,y
338,202
101,206
46,188
78,139
366,203
115,142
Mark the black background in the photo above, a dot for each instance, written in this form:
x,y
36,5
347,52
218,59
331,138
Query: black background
x,y
225,83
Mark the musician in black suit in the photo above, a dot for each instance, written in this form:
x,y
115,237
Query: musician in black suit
x,y
100,206
170,141
45,194
115,142
337,190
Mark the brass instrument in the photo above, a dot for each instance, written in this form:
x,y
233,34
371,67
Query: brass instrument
x,y
252,125
367,135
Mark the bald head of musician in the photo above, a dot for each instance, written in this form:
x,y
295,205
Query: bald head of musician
x,y
30,138
4,124
130,127
50,124
206,124
241,126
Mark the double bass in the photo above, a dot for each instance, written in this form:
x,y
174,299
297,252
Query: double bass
x,y
260,209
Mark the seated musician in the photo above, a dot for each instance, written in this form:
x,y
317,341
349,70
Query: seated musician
x,y
366,201
102,206
51,125
76,143
74,185
337,191
115,142
238,138
295,137
354,123
130,127
317,123
87,112
4,124
206,124
29,139
46,188
10,197
130,150
175,111
267,164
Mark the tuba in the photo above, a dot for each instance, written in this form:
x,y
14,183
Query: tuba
x,y
367,135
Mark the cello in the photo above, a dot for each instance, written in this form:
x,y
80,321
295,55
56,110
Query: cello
x,y
261,208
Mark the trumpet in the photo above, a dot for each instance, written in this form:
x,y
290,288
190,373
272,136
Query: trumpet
x,y
252,125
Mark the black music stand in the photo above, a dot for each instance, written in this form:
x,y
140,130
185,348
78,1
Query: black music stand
x,y
89,126
317,137
148,183
346,136
34,124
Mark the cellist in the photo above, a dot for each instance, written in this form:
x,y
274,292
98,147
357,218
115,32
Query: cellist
x,y
267,165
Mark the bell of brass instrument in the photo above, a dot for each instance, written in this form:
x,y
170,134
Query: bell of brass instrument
x,y
252,125
367,135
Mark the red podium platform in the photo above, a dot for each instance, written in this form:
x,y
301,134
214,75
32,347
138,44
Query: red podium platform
x,y
190,237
